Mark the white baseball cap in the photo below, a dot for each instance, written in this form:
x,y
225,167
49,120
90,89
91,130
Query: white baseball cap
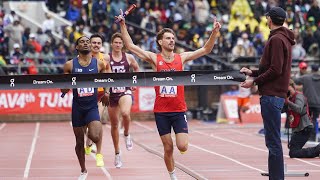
x,y
16,45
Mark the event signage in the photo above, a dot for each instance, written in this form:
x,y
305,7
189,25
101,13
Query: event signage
x,y
187,78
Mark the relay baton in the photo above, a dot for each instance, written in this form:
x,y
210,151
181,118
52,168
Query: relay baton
x,y
127,12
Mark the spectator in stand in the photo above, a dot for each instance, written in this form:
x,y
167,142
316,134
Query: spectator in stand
x,y
201,11
32,41
115,6
41,37
46,59
60,55
73,12
303,66
238,50
251,51
258,44
298,52
14,33
88,7
99,9
77,34
314,11
10,18
48,24
15,59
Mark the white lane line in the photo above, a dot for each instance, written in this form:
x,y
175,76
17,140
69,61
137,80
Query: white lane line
x,y
217,154
2,126
33,145
159,154
252,147
104,170
226,157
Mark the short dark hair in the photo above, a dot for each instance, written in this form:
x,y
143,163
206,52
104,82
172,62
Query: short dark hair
x,y
77,41
160,35
97,35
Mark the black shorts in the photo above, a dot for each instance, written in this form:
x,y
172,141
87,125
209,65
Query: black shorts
x,y
176,120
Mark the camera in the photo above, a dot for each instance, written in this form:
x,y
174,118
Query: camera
x,y
288,93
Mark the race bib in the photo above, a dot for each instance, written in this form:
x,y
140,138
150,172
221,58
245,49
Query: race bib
x,y
118,89
168,91
85,92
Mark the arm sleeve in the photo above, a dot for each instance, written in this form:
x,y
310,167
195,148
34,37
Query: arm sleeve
x,y
298,105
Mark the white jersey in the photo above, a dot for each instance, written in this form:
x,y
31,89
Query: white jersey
x,y
244,92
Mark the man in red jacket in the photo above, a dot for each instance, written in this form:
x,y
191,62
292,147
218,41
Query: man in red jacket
x,y
272,79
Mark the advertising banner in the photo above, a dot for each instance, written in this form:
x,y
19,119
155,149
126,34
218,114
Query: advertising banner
x,y
48,101
229,110
34,102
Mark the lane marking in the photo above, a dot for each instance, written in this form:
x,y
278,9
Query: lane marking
x,y
217,154
159,154
104,170
226,157
2,126
252,147
33,145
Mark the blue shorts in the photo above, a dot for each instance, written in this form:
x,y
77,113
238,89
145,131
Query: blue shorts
x,y
82,117
176,120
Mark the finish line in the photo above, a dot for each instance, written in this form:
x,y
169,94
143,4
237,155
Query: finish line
x,y
186,78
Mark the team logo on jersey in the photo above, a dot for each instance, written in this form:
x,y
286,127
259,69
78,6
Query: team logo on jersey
x,y
160,63
78,70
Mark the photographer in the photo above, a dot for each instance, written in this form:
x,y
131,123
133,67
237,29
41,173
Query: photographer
x,y
301,124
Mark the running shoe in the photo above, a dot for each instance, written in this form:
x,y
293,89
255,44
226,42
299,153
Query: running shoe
x,y
99,160
173,176
128,141
183,152
87,150
117,161
83,176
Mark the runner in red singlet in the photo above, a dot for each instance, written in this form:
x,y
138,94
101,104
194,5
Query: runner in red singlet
x,y
170,106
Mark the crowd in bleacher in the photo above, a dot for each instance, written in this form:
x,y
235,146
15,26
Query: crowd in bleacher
x,y
243,33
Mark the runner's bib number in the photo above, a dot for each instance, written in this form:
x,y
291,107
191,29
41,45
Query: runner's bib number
x,y
85,92
168,91
118,89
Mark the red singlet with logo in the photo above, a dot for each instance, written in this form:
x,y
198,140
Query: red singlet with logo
x,y
169,98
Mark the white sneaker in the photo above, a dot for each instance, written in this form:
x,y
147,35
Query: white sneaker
x,y
173,176
83,176
117,161
128,141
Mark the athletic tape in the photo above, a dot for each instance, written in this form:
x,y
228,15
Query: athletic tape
x,y
69,81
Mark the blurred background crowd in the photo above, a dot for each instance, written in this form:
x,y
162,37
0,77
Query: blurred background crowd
x,y
242,37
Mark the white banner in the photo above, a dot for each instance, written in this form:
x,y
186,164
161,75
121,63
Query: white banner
x,y
146,98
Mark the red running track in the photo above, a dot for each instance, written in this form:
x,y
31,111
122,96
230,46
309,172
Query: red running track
x,y
45,151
